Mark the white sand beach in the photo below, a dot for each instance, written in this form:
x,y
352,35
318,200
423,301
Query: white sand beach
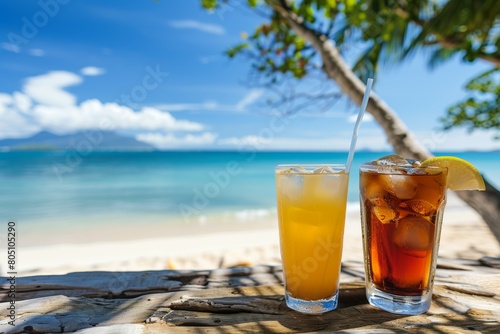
x,y
464,235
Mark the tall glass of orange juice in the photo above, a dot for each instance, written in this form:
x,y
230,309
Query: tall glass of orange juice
x,y
311,211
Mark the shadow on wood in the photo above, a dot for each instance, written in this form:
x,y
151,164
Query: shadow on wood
x,y
466,298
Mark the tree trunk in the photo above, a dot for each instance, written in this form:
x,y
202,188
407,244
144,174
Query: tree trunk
x,y
486,203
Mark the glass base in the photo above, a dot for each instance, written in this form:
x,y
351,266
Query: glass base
x,y
312,306
399,304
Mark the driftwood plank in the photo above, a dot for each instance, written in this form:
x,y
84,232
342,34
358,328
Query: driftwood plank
x,y
101,284
487,283
261,311
93,284
451,312
444,323
450,267
116,329
361,319
493,262
245,299
257,309
263,305
61,314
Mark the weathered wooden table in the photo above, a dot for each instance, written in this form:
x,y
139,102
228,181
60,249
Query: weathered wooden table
x,y
241,300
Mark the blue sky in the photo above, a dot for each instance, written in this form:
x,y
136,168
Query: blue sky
x,y
155,70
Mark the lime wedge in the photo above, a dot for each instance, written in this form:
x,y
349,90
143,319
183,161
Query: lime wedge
x,y
462,175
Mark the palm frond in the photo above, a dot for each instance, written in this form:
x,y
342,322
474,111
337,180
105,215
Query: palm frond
x,y
367,64
456,22
439,55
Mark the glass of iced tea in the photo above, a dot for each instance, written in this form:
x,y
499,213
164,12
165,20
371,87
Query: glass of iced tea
x,y
311,210
402,207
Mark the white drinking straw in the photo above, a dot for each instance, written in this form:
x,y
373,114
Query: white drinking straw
x,y
362,109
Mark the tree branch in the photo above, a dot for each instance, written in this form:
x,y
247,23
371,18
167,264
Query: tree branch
x,y
486,203
450,44
335,67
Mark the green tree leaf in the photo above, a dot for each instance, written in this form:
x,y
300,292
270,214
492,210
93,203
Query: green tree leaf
x,y
374,32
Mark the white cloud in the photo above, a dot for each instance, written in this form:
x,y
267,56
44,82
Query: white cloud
x,y
240,106
170,141
37,52
209,105
10,47
249,141
16,49
5,99
22,102
208,59
248,99
93,114
458,140
48,88
44,105
370,139
366,118
92,71
14,124
192,24
253,142
302,144
369,142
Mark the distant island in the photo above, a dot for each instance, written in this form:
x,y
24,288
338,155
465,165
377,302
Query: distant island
x,y
80,141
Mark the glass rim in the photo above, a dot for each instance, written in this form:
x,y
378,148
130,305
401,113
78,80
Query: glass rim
x,y
310,168
310,165
380,168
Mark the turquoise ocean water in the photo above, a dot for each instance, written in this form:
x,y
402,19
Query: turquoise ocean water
x,y
50,189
